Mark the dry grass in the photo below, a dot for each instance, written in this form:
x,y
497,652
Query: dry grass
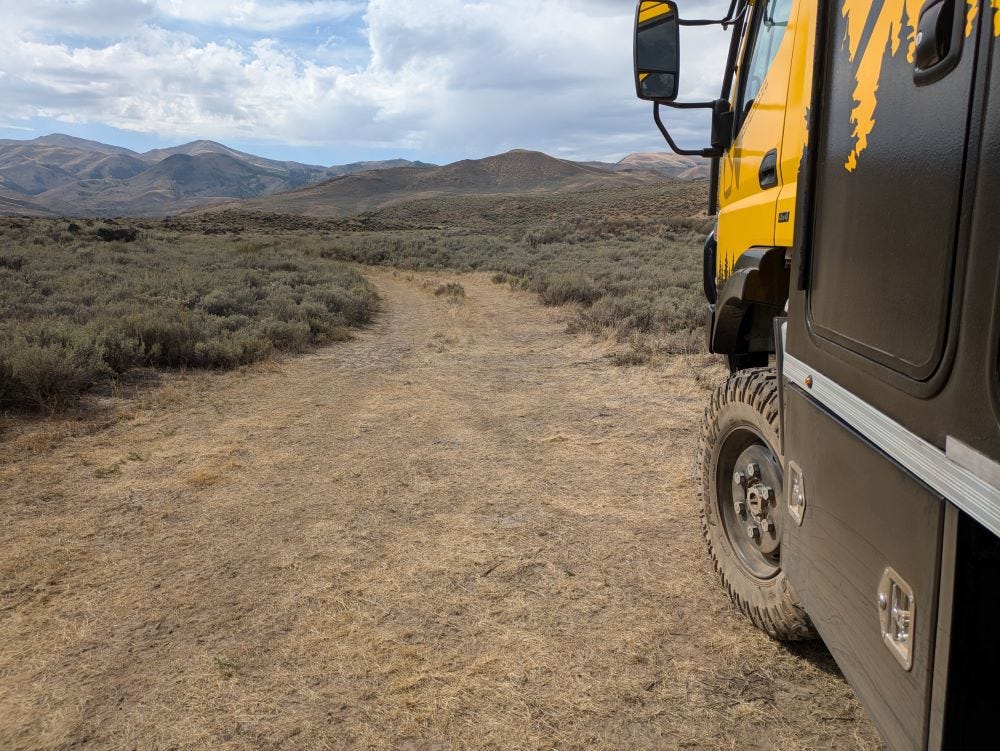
x,y
464,529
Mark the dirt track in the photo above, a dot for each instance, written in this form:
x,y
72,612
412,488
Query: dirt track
x,y
464,529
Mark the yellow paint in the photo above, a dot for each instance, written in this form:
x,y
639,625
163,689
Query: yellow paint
x,y
796,133
971,11
650,10
777,120
894,17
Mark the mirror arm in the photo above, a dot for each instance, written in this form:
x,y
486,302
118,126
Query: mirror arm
x,y
731,16
709,152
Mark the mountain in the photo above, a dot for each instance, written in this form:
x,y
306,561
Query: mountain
x,y
176,183
60,140
355,167
516,171
666,163
66,175
293,174
13,203
72,175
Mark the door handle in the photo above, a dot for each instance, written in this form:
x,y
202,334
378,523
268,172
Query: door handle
x,y
767,176
940,31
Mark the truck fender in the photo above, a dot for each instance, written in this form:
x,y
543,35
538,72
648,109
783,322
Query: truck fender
x,y
748,301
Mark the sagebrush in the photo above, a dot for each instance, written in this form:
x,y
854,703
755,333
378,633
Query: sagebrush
x,y
76,309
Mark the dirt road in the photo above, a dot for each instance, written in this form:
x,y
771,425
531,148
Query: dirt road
x,y
463,529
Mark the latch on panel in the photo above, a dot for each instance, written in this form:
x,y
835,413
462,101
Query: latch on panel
x,y
897,609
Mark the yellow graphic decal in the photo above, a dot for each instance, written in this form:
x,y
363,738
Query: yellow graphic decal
x,y
970,16
893,17
973,12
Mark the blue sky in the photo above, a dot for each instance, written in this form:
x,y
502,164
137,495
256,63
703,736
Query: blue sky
x,y
334,81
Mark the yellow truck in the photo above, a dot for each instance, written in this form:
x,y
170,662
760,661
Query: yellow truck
x,y
849,468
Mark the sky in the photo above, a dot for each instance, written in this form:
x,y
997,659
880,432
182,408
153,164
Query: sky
x,y
336,81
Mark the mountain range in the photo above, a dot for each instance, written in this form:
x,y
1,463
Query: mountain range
x,y
63,175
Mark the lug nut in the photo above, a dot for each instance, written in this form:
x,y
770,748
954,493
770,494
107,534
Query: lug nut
x,y
752,532
738,478
765,525
740,506
766,493
753,470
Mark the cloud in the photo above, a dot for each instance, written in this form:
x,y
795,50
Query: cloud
x,y
77,18
448,78
258,16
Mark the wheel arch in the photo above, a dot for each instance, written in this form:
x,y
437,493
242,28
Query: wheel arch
x,y
741,321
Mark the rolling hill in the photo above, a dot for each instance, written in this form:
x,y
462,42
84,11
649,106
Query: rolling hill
x,y
63,174
666,163
60,174
12,203
517,171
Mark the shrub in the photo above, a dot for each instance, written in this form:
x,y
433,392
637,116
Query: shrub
x,y
118,349
170,338
287,336
568,288
452,290
124,234
11,391
49,376
229,301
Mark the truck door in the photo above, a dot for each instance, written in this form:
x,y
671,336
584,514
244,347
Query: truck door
x,y
750,178
870,341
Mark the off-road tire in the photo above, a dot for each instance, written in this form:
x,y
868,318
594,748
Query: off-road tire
x,y
748,398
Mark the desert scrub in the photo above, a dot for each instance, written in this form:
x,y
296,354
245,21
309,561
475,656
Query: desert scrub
x,y
77,308
629,259
451,290
561,289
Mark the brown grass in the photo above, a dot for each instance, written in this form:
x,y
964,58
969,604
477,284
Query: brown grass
x,y
464,529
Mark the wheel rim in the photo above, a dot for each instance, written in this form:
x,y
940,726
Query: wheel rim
x,y
749,485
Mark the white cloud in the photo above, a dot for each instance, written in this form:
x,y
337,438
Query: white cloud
x,y
445,77
258,16
87,18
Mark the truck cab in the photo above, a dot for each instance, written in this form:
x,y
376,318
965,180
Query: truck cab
x,y
850,465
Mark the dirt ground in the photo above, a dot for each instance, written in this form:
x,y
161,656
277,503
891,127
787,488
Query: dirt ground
x,y
464,529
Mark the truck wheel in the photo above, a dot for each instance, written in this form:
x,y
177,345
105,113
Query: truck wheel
x,y
740,481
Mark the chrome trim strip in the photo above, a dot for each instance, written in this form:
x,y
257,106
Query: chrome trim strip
x,y
978,464
945,475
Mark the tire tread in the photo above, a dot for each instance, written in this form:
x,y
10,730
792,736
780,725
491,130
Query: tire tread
x,y
782,617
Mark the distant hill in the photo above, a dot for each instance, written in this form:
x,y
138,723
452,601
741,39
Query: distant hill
x,y
60,140
69,175
176,183
61,174
666,163
14,204
517,171
355,167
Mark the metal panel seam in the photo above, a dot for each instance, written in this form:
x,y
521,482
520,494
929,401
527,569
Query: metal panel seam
x,y
928,463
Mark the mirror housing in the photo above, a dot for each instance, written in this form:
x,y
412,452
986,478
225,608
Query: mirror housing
x,y
656,51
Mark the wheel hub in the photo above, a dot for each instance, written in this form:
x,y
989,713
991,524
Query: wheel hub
x,y
755,498
748,489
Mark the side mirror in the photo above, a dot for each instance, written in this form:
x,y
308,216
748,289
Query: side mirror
x,y
657,51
